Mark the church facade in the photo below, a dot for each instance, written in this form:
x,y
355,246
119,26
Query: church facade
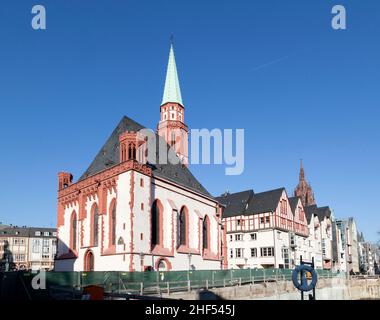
x,y
126,213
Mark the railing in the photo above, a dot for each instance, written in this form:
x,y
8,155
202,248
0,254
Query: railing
x,y
168,287
65,284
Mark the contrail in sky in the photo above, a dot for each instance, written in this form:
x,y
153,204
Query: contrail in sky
x,y
279,60
272,62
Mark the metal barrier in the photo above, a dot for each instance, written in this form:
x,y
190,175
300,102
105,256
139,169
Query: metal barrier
x,y
142,283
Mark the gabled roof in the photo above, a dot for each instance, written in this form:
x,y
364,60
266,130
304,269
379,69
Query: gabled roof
x,y
25,231
109,156
323,212
236,203
248,203
172,91
310,211
293,201
265,201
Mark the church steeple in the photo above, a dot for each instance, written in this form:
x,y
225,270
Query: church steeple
x,y
302,172
172,90
304,190
172,120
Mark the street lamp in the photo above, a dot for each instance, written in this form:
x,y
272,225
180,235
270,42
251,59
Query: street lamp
x,y
142,260
189,256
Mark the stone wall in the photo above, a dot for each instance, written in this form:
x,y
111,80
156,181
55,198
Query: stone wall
x,y
327,289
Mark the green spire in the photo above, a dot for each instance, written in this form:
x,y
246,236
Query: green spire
x,y
172,91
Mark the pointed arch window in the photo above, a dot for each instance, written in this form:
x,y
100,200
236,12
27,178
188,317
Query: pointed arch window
x,y
172,139
89,261
156,223
112,234
183,226
73,240
95,226
132,152
206,233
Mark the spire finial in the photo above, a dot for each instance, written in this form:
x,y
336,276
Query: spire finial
x,y
171,39
302,172
172,91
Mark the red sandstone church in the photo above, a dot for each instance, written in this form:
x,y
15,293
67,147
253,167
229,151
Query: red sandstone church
x,y
128,214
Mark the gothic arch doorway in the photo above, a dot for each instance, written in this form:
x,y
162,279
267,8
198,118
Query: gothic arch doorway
x,y
163,264
89,261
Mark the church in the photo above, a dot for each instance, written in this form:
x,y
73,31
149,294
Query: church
x,y
126,213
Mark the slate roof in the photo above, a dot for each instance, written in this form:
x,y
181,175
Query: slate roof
x,y
265,201
108,156
323,212
248,202
293,201
25,232
236,203
310,211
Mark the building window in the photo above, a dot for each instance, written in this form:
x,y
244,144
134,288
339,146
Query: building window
x,y
239,222
89,261
262,220
15,241
285,257
142,183
172,139
95,225
206,233
267,219
46,233
182,227
54,234
279,236
142,207
74,231
231,237
37,233
238,237
253,252
267,252
156,220
231,253
113,225
253,236
36,246
45,249
238,252
45,242
131,151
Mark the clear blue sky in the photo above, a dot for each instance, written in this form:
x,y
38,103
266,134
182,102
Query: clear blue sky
x,y
63,90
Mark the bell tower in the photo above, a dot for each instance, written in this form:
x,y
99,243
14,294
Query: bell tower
x,y
172,125
304,190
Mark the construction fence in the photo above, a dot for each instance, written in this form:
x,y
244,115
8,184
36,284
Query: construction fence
x,y
143,283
